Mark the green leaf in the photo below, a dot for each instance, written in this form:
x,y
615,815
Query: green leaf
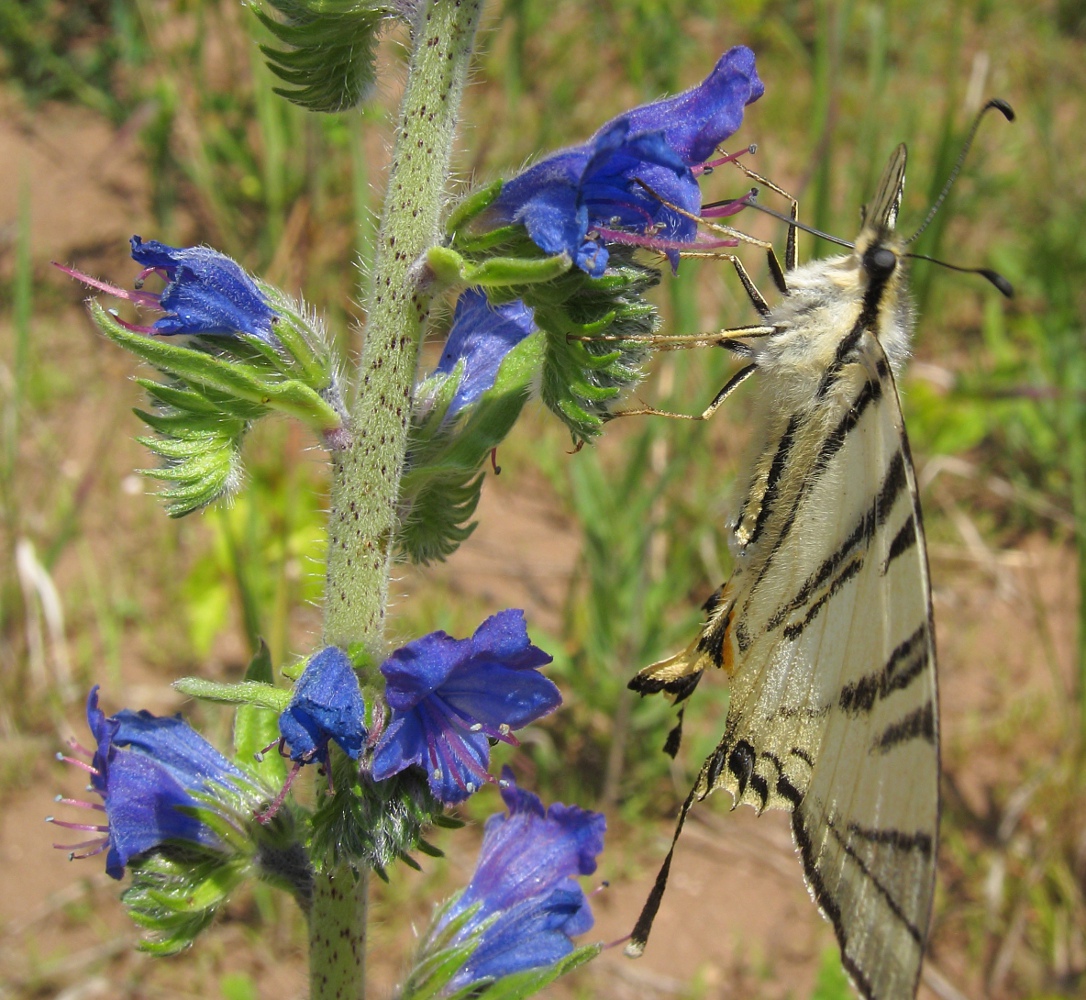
x,y
441,487
242,693
327,58
256,728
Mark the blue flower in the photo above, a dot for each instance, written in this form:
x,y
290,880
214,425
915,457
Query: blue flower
x,y
451,697
147,769
602,184
206,292
525,876
481,336
326,705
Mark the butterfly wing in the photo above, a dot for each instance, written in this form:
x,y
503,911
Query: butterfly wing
x,y
855,723
826,624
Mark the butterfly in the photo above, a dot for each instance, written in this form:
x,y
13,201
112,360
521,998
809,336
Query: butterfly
x,y
825,626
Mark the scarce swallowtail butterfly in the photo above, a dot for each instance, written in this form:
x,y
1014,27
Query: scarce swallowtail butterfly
x,y
825,625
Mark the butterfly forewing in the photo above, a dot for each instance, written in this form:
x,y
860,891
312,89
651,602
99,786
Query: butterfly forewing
x,y
825,623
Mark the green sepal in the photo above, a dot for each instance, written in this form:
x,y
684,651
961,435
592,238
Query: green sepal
x,y
217,386
175,893
199,368
531,981
441,487
329,56
210,468
368,822
449,267
254,693
439,956
471,208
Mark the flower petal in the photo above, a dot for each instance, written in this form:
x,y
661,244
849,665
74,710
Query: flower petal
x,y
206,292
481,336
327,704
696,121
523,876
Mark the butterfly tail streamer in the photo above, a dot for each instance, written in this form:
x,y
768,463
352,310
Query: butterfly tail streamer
x,y
639,937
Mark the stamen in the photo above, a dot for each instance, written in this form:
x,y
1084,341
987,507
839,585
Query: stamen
x,y
259,755
659,244
61,800
723,210
130,326
139,298
80,846
147,272
707,167
90,854
267,814
82,764
78,747
92,827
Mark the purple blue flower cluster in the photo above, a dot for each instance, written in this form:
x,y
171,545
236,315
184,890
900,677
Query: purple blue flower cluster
x,y
206,292
150,771
481,336
451,697
632,171
524,883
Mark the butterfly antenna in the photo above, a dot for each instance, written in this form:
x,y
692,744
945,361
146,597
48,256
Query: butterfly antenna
x,y
994,277
1007,112
753,202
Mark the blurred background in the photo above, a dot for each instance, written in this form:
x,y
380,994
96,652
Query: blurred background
x,y
157,117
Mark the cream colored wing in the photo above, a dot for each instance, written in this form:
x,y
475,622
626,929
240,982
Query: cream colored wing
x,y
826,623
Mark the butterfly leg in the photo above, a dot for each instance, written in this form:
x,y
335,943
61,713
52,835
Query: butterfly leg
x,y
732,384
791,255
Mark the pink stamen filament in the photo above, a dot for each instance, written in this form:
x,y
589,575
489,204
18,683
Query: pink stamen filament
x,y
662,245
730,158
139,298
60,800
267,814
78,747
728,209
81,845
82,765
91,827
130,326
442,756
147,272
90,854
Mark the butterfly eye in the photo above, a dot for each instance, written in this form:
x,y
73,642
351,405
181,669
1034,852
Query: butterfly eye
x,y
880,262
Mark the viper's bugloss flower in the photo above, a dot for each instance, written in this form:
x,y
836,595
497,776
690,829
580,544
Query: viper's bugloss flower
x,y
147,769
326,705
451,697
605,183
481,336
206,292
525,876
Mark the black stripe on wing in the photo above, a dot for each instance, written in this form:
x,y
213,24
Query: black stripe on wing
x,y
908,661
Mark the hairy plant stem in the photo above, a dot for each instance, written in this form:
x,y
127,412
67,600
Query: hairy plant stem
x,y
366,474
